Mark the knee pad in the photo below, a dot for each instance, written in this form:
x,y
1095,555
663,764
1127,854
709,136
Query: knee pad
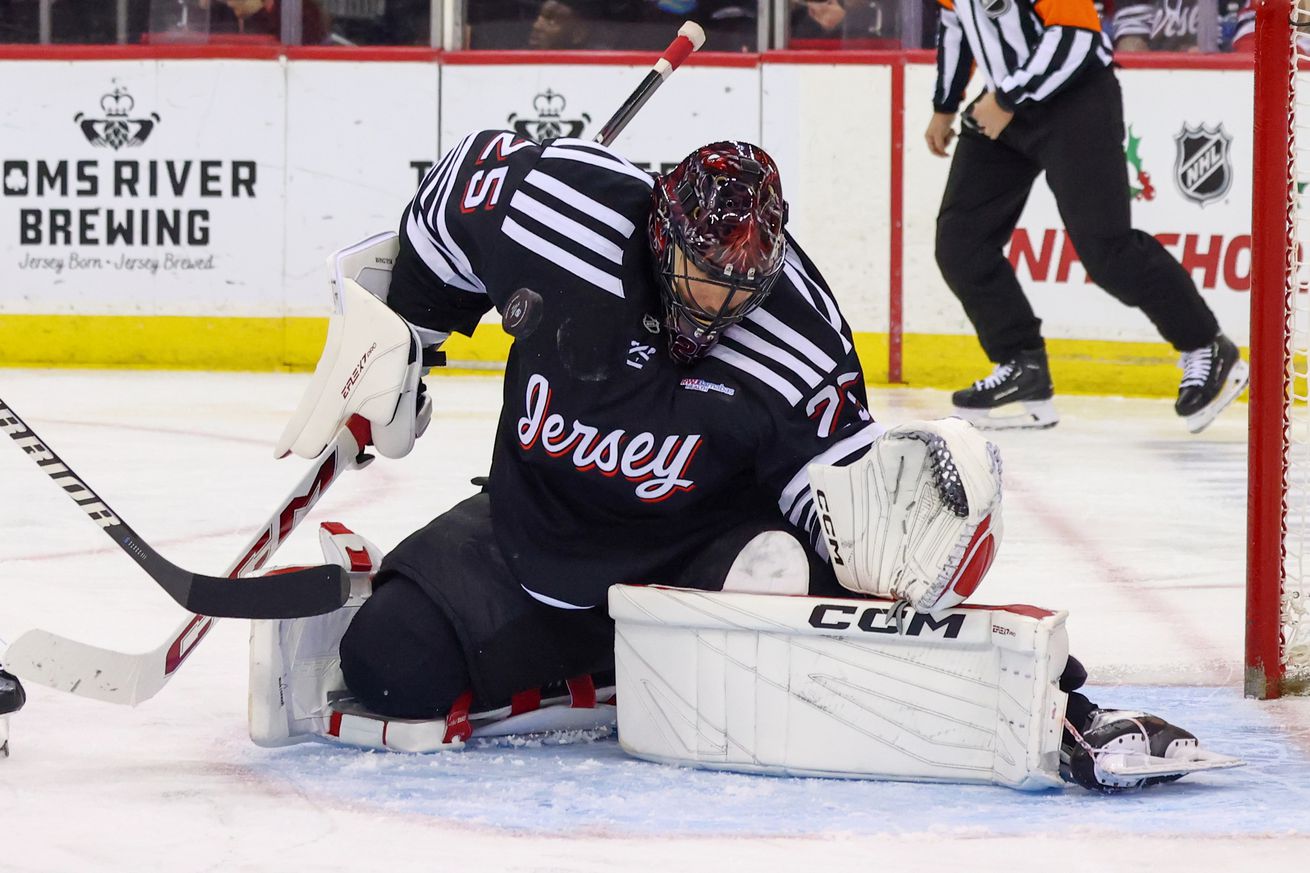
x,y
401,656
773,562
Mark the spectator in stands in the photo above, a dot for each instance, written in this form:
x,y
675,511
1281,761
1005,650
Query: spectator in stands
x,y
380,22
573,24
730,25
817,19
264,18
1244,28
93,22
1173,25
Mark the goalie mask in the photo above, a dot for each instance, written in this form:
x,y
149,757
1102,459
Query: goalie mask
x,y
717,240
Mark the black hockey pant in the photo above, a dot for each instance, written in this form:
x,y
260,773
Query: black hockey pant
x,y
1077,139
446,616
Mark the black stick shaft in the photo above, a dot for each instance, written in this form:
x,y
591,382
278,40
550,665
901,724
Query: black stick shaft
x,y
311,591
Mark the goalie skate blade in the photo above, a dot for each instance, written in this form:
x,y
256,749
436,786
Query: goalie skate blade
x,y
1138,766
1034,415
295,594
1234,385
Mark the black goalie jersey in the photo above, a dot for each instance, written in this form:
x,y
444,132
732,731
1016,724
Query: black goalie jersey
x,y
613,464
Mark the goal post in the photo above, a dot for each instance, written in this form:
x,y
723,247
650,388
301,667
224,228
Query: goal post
x,y
1278,535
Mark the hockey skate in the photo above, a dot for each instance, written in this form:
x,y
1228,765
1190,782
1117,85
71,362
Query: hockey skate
x,y
1016,395
1213,377
12,698
1122,751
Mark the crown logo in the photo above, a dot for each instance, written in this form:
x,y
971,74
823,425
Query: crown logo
x,y
549,104
117,103
117,129
550,122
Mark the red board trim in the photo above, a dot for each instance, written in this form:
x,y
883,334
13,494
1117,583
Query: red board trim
x,y
616,59
179,52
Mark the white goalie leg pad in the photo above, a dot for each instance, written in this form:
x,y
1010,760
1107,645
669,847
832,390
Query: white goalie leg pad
x,y
371,364
815,686
4,736
295,664
918,518
585,708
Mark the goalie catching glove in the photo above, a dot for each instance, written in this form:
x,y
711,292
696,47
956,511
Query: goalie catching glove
x,y
372,363
918,518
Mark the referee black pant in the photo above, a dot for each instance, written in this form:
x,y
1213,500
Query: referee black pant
x,y
1077,139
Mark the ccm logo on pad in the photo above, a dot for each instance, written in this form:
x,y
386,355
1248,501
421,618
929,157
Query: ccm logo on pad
x,y
873,620
829,529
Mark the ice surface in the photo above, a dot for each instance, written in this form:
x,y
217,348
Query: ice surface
x,y
1117,514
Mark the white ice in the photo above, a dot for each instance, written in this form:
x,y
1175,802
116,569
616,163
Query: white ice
x,y
1117,515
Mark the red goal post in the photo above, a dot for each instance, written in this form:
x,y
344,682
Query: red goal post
x,y
1278,535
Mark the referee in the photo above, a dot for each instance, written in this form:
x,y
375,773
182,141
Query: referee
x,y
1052,104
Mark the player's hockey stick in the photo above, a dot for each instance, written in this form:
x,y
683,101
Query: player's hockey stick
x,y
127,678
690,37
311,591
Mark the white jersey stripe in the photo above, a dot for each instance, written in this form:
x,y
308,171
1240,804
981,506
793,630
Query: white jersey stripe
x,y
551,601
793,339
562,259
432,256
796,273
738,335
838,451
458,259
580,202
427,190
749,365
556,220
585,156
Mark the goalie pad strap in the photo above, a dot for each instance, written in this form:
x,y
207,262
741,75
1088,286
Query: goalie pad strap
x,y
837,687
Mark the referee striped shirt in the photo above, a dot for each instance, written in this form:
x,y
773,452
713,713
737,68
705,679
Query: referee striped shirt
x,y
1028,50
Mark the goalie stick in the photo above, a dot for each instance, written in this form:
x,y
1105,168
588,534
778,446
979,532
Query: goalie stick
x,y
129,678
691,36
311,591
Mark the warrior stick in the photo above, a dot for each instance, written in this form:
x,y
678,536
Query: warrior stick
x,y
128,677
690,37
311,591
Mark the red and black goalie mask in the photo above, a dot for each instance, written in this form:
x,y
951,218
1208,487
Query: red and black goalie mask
x,y
720,212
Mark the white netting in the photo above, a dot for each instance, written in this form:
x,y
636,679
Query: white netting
x,y
1294,617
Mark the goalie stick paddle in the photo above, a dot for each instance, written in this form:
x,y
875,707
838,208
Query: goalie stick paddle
x,y
311,591
128,678
690,38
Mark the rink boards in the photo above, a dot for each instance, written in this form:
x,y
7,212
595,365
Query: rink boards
x,y
162,211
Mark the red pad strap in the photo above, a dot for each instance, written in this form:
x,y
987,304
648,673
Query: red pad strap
x,y
525,701
583,692
360,562
457,720
334,724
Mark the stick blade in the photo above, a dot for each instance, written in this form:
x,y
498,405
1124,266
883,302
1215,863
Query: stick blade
x,y
48,659
293,594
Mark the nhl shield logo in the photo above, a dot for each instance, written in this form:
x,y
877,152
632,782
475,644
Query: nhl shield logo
x,y
1203,168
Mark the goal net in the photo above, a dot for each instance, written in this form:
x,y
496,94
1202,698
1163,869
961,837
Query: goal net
x,y
1278,559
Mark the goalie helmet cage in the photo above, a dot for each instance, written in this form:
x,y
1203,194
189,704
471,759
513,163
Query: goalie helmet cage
x,y
1278,535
